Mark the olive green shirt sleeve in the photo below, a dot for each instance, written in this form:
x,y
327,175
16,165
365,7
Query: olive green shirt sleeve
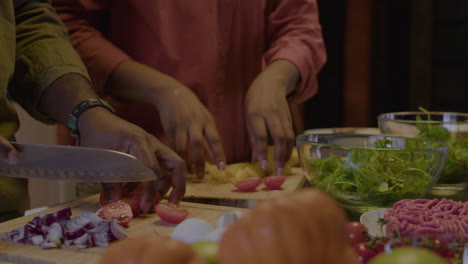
x,y
43,54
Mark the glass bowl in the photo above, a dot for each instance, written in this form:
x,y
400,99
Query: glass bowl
x,y
451,128
370,172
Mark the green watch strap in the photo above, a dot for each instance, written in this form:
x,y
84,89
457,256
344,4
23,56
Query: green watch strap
x,y
81,108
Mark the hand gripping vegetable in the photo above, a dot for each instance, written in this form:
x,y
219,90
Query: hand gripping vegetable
x,y
306,226
149,250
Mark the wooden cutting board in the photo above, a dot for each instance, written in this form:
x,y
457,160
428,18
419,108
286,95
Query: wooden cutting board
x,y
227,191
149,225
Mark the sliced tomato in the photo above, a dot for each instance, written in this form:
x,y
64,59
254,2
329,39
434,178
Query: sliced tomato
x,y
248,185
274,182
171,213
121,211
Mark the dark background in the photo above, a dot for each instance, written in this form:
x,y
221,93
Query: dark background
x,y
390,55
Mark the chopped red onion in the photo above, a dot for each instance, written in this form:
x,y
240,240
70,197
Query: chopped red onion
x,y
116,231
57,229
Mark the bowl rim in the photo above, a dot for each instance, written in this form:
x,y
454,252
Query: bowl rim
x,y
443,145
386,117
342,130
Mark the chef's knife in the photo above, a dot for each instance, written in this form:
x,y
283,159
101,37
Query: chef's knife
x,y
81,164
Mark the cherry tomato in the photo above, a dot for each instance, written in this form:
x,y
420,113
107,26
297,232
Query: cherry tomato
x,y
274,182
357,233
364,252
121,211
171,213
247,185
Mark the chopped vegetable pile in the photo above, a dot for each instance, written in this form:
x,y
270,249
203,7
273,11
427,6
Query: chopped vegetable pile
x,y
373,176
58,229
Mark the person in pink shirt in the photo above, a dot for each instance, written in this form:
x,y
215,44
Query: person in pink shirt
x,y
205,76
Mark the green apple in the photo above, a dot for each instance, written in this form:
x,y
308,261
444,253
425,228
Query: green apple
x,y
208,250
408,255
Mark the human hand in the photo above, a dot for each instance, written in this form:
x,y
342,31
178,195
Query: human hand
x,y
189,126
101,129
8,152
266,108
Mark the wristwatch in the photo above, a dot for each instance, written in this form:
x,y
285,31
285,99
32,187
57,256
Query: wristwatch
x,y
80,109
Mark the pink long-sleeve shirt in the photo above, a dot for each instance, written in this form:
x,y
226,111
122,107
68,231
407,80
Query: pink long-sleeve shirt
x,y
214,47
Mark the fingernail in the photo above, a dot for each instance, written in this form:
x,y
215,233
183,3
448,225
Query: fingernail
x,y
221,165
264,164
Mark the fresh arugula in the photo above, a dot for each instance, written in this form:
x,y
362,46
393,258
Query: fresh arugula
x,y
378,175
456,167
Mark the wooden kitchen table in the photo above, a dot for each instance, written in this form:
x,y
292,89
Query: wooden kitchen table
x,y
149,225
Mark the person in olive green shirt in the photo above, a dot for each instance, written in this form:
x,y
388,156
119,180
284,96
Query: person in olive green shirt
x,y
41,72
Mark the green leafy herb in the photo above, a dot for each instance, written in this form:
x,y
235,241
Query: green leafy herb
x,y
373,176
456,167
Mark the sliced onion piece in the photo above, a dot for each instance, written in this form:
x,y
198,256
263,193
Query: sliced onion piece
x,y
37,240
228,218
191,230
55,234
99,234
59,216
48,244
85,220
116,231
82,241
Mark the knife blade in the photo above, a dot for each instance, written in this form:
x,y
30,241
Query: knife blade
x,y
80,164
